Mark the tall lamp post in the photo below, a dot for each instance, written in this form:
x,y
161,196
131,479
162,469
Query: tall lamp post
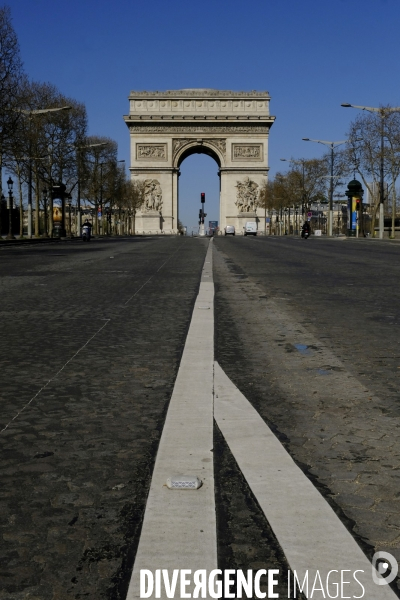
x,y
2,203
31,113
383,113
44,191
69,215
10,205
332,146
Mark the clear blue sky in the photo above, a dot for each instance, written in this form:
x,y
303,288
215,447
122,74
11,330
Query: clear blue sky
x,y
311,55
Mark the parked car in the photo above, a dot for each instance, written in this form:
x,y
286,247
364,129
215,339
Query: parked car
x,y
250,228
229,230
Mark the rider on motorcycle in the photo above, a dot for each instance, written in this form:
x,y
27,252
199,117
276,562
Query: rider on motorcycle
x,y
306,228
87,229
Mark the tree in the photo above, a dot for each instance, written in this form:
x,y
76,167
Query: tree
x,y
42,150
98,169
303,184
265,200
134,198
368,155
11,79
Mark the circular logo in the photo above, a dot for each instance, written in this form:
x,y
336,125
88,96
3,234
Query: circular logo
x,y
384,568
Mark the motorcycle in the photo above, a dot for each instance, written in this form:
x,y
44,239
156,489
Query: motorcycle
x,y
305,233
86,233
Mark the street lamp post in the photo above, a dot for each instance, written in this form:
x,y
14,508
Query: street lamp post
x,y
332,146
45,234
2,203
383,113
10,205
69,216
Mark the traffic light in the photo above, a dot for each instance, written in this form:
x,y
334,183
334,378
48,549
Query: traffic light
x,y
203,197
358,203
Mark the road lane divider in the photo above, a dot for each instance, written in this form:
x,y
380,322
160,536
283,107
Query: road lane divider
x,y
310,534
179,526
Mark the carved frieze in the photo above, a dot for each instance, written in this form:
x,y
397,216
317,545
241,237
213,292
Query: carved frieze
x,y
151,151
247,152
246,195
225,129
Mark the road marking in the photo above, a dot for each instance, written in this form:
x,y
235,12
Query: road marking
x,y
311,535
179,527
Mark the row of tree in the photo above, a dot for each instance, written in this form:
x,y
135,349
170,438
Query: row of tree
x,y
304,184
372,149
44,141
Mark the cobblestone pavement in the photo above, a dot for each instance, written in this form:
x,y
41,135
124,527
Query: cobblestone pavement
x,y
91,339
309,332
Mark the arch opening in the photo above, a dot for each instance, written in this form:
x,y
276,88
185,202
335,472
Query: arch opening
x,y
198,148
199,173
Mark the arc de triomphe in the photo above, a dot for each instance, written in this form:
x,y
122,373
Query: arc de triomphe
x,y
167,127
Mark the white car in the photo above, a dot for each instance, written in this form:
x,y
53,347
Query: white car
x,y
229,230
250,228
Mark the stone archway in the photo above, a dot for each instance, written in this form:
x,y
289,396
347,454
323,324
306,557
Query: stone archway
x,y
166,127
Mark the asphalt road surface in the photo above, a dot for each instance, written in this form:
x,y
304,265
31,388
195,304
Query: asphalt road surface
x,y
91,340
309,332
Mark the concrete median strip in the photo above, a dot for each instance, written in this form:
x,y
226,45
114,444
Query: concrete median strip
x,y
179,527
311,535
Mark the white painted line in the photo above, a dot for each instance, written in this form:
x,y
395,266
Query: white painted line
x,y
179,527
311,535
